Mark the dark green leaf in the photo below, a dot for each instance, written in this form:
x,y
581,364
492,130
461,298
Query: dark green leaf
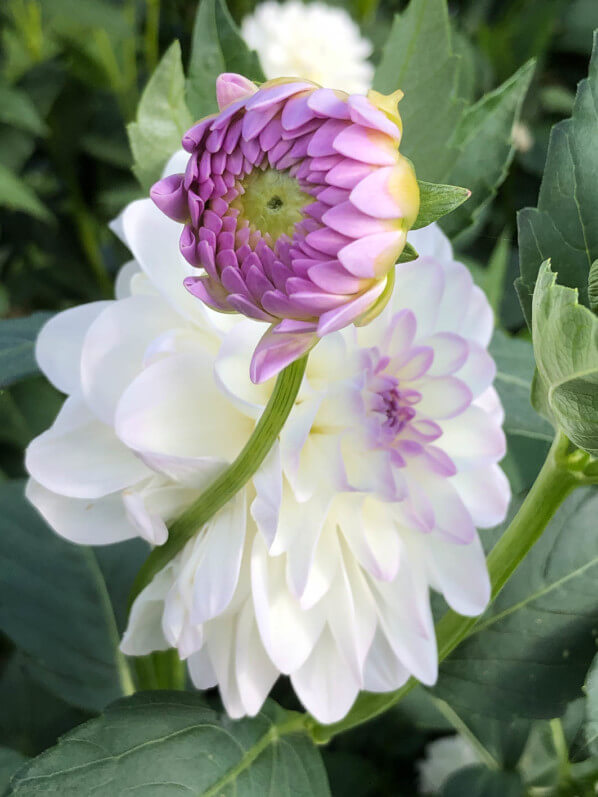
x,y
169,743
532,648
55,606
565,336
591,690
418,59
563,226
478,781
17,110
485,148
162,118
31,719
528,434
593,287
17,342
10,762
216,47
409,253
436,200
15,194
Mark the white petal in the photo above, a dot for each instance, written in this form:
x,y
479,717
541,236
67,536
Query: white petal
x,y
324,684
220,636
486,493
406,619
288,633
82,520
201,670
323,568
459,572
430,241
294,440
255,672
478,322
59,343
122,283
81,457
371,533
114,348
177,163
268,487
383,672
419,286
472,439
457,294
144,630
443,397
479,369
232,371
151,506
175,408
217,573
310,518
153,239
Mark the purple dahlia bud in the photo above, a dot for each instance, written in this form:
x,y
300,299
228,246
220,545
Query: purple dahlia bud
x,y
296,204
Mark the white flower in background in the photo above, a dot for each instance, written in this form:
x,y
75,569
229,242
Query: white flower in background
x,y
443,758
314,41
321,567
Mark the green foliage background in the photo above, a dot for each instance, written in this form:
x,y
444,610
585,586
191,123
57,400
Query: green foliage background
x,y
71,77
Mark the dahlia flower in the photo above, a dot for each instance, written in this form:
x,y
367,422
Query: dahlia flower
x,y
296,203
314,41
320,568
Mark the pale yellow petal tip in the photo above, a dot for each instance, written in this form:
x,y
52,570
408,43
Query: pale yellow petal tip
x,y
388,104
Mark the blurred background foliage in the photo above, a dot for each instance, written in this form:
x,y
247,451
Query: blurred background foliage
x,y
71,74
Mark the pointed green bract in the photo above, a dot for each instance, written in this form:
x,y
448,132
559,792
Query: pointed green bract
x,y
216,47
565,336
162,118
436,200
485,148
170,743
563,225
418,58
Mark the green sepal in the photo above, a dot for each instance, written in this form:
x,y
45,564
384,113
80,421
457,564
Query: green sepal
x,y
436,200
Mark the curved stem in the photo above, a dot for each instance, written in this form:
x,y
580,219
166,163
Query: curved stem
x,y
553,484
231,480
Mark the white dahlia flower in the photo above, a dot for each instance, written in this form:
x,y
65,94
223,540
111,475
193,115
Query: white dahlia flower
x,y
320,568
314,41
443,758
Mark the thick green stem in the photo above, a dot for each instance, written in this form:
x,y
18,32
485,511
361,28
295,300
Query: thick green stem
x,y
232,479
553,484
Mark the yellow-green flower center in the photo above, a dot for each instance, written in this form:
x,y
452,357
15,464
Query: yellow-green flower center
x,y
272,203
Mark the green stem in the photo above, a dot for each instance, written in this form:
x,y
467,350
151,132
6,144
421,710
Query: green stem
x,y
152,28
232,479
553,484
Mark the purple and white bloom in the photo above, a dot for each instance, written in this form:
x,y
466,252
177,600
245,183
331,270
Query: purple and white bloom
x,y
296,203
314,41
320,568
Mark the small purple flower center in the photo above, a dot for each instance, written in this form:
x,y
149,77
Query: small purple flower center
x,y
391,404
397,413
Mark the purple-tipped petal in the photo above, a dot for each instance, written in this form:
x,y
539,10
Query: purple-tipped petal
x,y
346,219
367,145
364,113
334,320
329,103
231,87
169,195
373,255
277,350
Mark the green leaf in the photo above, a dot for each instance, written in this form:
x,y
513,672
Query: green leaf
x,y
17,342
479,781
593,287
529,435
15,194
162,118
56,608
32,718
418,58
563,226
216,47
565,336
10,762
169,743
485,148
530,651
17,110
591,690
436,200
